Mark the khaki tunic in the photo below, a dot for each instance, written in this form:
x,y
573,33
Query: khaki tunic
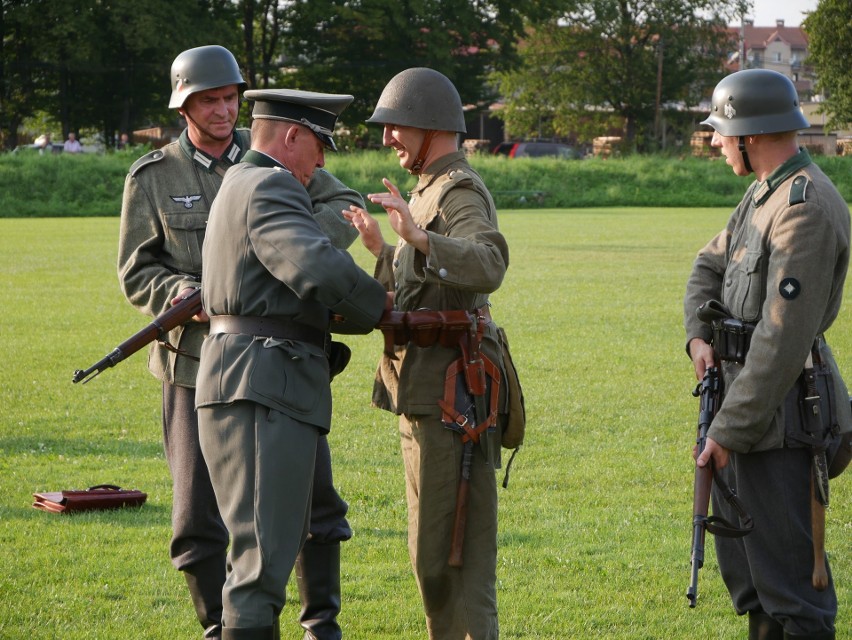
x,y
467,261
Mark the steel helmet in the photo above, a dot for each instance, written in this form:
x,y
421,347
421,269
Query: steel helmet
x,y
422,98
201,68
755,101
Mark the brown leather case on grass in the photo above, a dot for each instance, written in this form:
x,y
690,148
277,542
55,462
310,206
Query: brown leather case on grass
x,y
102,496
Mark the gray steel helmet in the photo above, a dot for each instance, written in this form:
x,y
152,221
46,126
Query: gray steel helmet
x,y
422,98
755,101
202,68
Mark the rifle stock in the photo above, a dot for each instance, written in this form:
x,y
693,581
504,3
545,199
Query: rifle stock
x,y
162,324
709,391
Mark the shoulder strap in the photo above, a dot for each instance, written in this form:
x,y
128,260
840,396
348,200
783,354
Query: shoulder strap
x,y
144,161
798,190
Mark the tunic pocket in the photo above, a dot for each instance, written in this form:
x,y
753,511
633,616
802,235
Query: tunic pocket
x,y
185,231
289,376
747,287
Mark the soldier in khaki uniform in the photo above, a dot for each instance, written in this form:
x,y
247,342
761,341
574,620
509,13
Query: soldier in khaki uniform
x,y
271,281
167,199
779,266
450,256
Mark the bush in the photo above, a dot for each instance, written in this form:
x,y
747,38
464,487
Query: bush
x,y
91,184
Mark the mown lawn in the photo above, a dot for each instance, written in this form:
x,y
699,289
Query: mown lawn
x,y
595,525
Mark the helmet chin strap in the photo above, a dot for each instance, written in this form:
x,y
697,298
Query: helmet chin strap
x,y
420,158
741,146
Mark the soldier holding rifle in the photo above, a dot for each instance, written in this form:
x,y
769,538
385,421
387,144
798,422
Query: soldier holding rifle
x,y
449,257
167,198
778,270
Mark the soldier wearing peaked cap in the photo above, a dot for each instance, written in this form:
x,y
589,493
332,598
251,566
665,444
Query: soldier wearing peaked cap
x,y
450,255
778,268
271,280
166,204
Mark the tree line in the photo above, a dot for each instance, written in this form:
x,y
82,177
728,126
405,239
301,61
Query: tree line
x,y
560,66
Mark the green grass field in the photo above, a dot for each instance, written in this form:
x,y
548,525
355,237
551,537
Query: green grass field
x,y
595,527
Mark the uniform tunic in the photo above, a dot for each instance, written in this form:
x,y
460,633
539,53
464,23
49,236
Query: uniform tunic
x,y
167,198
781,263
262,402
467,261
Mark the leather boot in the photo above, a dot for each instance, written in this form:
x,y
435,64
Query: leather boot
x,y
318,577
827,635
761,626
254,633
205,580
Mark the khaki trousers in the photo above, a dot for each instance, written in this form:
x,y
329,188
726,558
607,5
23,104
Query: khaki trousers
x,y
459,602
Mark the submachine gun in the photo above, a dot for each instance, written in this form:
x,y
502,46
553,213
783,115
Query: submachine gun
x,y
709,390
177,315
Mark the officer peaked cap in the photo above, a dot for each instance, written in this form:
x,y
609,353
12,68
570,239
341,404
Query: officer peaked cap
x,y
317,111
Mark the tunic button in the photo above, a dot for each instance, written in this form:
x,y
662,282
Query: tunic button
x,y
442,272
395,264
728,283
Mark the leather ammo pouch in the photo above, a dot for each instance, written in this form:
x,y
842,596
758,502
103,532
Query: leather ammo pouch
x,y
423,328
102,496
731,339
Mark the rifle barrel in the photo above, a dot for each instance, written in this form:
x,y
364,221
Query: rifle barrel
x,y
163,323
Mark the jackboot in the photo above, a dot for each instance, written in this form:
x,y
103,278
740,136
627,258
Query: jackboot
x,y
254,633
827,635
205,580
318,577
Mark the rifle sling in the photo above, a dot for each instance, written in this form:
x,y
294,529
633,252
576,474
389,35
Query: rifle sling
x,y
718,525
170,347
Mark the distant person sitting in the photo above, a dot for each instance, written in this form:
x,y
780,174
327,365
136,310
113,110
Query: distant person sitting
x,y
72,145
123,142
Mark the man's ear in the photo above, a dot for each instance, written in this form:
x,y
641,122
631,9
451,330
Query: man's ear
x,y
292,135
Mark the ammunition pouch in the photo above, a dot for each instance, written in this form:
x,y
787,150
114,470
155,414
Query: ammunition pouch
x,y
427,328
731,339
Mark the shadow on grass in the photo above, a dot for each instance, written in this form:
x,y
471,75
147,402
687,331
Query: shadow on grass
x,y
33,444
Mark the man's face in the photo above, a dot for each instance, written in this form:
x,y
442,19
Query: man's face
x,y
406,141
309,154
212,113
730,149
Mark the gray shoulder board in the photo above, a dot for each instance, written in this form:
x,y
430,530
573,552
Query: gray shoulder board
x,y
145,160
798,190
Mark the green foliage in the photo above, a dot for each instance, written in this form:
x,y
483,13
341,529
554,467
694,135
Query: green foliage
x,y
330,43
94,64
91,185
593,65
594,527
829,30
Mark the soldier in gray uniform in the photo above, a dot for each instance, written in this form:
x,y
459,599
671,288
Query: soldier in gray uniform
x,y
271,281
778,269
167,199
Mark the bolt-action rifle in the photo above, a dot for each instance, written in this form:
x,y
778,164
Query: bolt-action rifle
x,y
177,315
709,390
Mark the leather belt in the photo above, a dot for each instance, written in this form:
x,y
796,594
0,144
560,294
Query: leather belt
x,y
266,327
